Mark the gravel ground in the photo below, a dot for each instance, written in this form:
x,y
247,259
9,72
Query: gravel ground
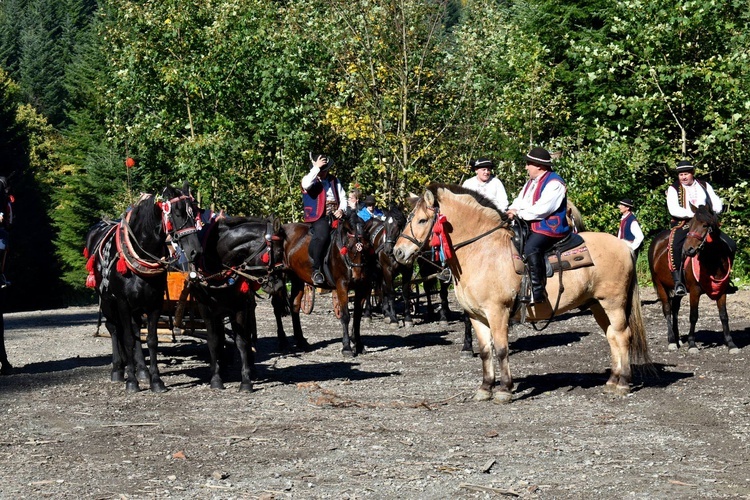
x,y
396,422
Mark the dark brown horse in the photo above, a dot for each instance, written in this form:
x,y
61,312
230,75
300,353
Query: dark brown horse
x,y
708,263
347,269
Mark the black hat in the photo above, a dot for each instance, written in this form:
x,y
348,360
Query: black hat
x,y
684,166
369,200
481,163
315,157
539,157
627,202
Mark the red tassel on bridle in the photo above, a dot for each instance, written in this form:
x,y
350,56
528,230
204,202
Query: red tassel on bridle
x,y
265,258
244,287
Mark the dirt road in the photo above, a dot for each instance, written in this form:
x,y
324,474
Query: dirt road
x,y
396,422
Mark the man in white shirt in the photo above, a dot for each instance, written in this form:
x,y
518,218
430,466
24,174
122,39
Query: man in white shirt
x,y
630,230
686,191
323,199
487,184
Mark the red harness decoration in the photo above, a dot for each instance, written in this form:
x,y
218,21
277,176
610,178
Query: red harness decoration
x,y
440,240
713,287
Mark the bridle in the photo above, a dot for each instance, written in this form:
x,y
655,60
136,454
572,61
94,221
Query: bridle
x,y
354,242
188,227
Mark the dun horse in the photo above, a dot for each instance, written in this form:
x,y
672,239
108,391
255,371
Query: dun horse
x,y
347,268
708,265
127,266
240,255
487,285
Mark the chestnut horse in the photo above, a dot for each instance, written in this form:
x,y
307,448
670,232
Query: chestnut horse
x,y
487,286
348,267
708,265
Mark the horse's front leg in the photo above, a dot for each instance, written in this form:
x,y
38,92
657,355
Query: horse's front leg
x,y
277,301
445,309
694,301
215,340
130,340
152,340
721,304
245,328
342,292
671,312
406,276
298,290
484,343
467,349
360,296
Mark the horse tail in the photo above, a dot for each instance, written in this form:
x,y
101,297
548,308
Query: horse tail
x,y
638,341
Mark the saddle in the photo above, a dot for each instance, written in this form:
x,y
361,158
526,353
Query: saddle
x,y
567,254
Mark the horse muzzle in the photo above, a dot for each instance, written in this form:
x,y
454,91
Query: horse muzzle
x,y
402,256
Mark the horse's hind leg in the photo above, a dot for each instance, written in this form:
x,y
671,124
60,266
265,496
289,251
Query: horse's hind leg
x,y
721,304
484,343
615,326
298,289
406,295
5,366
277,301
673,328
152,340
694,300
245,328
467,349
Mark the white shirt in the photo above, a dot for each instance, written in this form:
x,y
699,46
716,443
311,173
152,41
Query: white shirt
x,y
493,190
635,228
550,200
693,194
311,178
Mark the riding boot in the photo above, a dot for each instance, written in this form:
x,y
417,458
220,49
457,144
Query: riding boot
x,y
679,287
538,277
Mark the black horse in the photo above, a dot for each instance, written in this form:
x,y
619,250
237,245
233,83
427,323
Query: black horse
x,y
127,265
349,268
240,254
382,235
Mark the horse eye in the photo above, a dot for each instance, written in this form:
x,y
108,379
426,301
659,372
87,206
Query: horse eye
x,y
422,221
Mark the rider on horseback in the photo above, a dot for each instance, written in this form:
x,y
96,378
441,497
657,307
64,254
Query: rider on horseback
x,y
324,199
687,191
543,202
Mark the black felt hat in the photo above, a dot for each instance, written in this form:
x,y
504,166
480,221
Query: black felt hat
x,y
369,200
684,166
627,202
315,157
481,163
539,157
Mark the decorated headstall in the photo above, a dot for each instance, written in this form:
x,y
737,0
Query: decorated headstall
x,y
436,235
191,224
352,239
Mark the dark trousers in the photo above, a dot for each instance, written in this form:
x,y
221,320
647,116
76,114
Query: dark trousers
x,y
536,245
320,230
679,235
537,242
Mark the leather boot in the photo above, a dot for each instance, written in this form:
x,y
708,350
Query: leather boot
x,y
538,277
679,287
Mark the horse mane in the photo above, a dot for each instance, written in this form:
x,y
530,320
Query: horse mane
x,y
456,189
396,213
144,212
707,216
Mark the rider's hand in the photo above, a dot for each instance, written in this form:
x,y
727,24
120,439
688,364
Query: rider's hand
x,y
323,160
338,213
511,213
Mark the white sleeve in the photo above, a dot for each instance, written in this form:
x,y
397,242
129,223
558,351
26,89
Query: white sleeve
x,y
715,200
342,196
501,197
550,200
635,228
518,202
673,205
310,178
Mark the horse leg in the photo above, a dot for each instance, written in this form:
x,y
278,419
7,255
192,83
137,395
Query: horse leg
x,y
694,300
129,343
360,295
343,296
721,304
484,343
467,349
5,366
118,361
298,289
498,321
673,326
444,307
245,328
613,321
406,275
277,301
152,340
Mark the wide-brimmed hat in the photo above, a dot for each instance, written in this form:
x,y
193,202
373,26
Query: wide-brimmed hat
x,y
684,166
317,156
481,163
539,157
369,200
627,202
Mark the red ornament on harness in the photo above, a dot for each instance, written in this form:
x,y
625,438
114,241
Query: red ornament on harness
x,y
440,238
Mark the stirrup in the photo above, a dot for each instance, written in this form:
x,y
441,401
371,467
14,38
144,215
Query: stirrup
x,y
679,290
445,275
317,278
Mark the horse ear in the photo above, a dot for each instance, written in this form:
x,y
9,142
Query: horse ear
x,y
186,188
429,198
412,199
693,208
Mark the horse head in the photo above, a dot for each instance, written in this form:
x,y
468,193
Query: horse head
x,y
353,245
417,228
395,221
700,229
179,220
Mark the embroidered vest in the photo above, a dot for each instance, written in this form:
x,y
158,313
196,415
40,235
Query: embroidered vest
x,y
555,224
314,200
625,232
682,199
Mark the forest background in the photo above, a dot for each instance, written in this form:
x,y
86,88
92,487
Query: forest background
x,y
232,95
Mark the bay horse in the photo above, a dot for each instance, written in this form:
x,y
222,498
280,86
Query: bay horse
x,y
240,255
382,235
708,264
487,285
127,264
348,268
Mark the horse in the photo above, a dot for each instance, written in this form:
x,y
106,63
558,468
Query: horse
x,y
575,221
127,264
5,367
240,254
708,265
349,262
487,286
382,235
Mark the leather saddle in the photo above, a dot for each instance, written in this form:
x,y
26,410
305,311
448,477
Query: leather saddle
x,y
568,253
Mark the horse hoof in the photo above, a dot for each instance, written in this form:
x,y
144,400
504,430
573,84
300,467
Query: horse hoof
x,y
246,387
467,354
672,346
217,385
443,322
616,390
408,324
158,387
303,345
482,395
387,320
734,350
694,350
132,387
502,397
347,353
144,376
